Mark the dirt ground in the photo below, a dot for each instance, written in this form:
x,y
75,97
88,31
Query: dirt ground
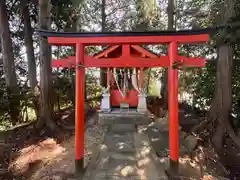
x,y
49,160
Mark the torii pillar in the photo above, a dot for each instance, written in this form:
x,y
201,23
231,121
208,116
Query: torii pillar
x,y
173,106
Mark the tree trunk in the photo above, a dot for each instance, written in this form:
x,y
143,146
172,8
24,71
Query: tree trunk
x,y
46,107
8,64
170,11
103,79
103,16
28,32
221,106
164,87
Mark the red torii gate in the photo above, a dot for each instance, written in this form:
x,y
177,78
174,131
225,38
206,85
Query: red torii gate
x,y
172,38
120,53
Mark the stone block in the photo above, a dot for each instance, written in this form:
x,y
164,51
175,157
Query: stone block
x,y
122,118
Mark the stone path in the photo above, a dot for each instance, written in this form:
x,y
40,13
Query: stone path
x,y
126,154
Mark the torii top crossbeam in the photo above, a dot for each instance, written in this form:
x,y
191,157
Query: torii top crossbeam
x,y
109,38
172,38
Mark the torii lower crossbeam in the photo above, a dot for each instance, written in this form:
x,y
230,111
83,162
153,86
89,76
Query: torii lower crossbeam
x,y
162,61
79,40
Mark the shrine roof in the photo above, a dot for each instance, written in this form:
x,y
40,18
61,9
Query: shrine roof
x,y
137,48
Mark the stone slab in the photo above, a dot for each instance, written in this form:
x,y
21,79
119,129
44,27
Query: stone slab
x,y
160,141
123,128
148,162
114,162
108,119
112,165
119,142
118,117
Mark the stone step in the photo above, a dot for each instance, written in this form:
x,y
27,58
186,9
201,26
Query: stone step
x,y
119,143
112,165
118,117
126,118
105,175
109,161
125,156
123,128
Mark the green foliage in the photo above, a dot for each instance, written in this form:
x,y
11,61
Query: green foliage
x,y
204,86
26,105
154,90
120,15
